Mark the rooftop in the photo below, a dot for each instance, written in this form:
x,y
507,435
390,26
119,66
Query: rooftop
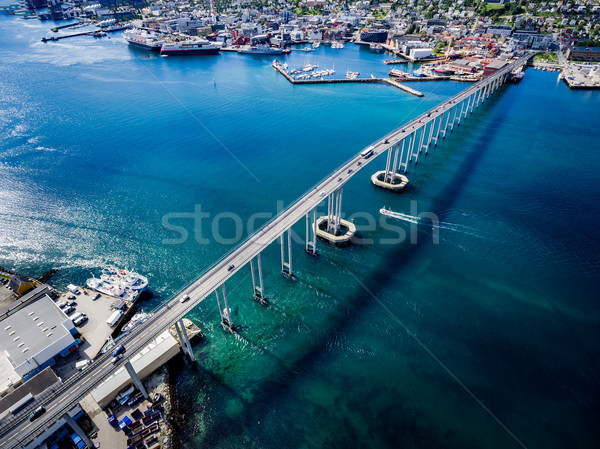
x,y
32,329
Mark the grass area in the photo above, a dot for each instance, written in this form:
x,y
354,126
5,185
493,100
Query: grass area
x,y
546,57
492,6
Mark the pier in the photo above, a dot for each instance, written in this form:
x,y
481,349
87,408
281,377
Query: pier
x,y
348,81
403,147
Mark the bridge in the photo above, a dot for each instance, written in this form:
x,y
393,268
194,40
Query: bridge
x,y
403,147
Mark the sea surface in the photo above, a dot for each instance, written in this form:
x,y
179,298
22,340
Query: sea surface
x,y
481,331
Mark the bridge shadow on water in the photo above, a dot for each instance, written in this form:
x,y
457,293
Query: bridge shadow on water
x,y
380,278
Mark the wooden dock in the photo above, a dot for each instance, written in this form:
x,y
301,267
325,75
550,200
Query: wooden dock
x,y
389,81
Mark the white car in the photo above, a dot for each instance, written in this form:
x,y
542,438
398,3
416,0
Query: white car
x,y
184,298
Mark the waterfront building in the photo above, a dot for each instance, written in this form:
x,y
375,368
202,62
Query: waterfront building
x,y
32,338
589,54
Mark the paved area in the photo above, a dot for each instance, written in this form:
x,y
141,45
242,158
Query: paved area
x,y
6,295
107,435
95,331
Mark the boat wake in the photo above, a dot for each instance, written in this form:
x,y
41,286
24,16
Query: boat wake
x,y
428,221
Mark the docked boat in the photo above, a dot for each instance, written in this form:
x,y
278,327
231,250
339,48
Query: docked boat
x,y
398,73
144,40
376,47
127,278
261,49
351,75
189,48
136,320
337,45
115,290
316,44
443,70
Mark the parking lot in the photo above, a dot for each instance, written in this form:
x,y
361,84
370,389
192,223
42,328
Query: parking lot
x,y
95,330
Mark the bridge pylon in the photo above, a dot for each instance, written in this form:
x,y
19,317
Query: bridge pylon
x,y
286,264
333,227
390,178
258,288
225,312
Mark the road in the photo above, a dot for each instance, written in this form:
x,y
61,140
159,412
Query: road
x,y
19,430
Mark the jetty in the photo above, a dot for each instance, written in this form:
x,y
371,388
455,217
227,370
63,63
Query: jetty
x,y
389,81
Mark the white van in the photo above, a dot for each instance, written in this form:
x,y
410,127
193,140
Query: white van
x,y
73,289
77,316
79,321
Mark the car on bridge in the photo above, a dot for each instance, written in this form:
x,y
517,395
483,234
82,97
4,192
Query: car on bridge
x,y
184,298
118,350
116,358
37,413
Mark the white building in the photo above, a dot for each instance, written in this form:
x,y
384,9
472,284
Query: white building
x,y
32,337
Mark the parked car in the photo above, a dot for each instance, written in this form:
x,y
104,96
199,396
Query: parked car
x,y
37,413
118,350
69,310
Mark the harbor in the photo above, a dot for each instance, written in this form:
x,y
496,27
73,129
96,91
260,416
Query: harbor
x,y
277,66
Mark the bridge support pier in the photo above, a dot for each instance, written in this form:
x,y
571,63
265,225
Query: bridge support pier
x,y
430,135
135,379
78,430
437,135
311,235
224,312
390,178
258,289
336,230
445,130
184,340
454,118
286,265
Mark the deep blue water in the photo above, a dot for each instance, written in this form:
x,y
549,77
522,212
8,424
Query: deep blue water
x,y
488,339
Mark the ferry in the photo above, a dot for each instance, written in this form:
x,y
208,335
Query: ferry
x,y
191,48
144,40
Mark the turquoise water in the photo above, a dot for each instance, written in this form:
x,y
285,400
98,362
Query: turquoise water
x,y
485,339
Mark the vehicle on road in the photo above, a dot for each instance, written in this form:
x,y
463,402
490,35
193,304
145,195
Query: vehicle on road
x,y
184,298
367,153
231,267
83,364
37,413
118,350
116,358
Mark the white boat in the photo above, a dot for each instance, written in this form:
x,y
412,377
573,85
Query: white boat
x,y
143,39
309,67
316,44
337,45
127,278
136,320
351,75
260,49
115,290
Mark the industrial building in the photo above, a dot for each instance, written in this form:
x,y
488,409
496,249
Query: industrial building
x,y
32,337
